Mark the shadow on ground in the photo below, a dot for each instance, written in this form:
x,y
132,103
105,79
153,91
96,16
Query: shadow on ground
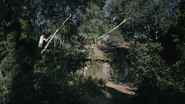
x,y
112,96
118,97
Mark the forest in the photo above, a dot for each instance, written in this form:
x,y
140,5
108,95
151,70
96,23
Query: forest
x,y
48,50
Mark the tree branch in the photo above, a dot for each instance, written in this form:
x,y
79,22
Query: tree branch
x,y
113,28
55,33
47,38
10,73
3,43
3,53
26,17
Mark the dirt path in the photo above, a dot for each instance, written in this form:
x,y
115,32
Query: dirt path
x,y
115,93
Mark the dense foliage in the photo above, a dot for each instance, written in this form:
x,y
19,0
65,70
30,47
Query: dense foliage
x,y
154,30
158,66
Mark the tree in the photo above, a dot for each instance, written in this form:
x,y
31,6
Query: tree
x,y
145,63
154,86
18,61
146,17
173,43
92,24
27,77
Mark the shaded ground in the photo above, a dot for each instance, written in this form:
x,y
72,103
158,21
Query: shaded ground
x,y
114,93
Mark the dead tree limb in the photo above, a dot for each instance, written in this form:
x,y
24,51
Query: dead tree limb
x,y
1,74
10,73
55,33
113,28
3,43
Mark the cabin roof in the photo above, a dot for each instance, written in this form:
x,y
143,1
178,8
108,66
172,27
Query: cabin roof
x,y
101,51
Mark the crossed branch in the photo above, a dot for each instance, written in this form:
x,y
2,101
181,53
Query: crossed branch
x,y
114,28
55,34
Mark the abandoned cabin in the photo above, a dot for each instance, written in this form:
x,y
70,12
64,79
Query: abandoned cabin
x,y
105,53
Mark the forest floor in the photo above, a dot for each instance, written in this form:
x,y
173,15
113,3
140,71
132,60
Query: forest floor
x,y
114,93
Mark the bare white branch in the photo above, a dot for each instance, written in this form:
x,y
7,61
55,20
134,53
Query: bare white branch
x,y
113,28
55,33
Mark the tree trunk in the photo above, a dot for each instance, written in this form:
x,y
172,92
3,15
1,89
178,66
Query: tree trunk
x,y
1,74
